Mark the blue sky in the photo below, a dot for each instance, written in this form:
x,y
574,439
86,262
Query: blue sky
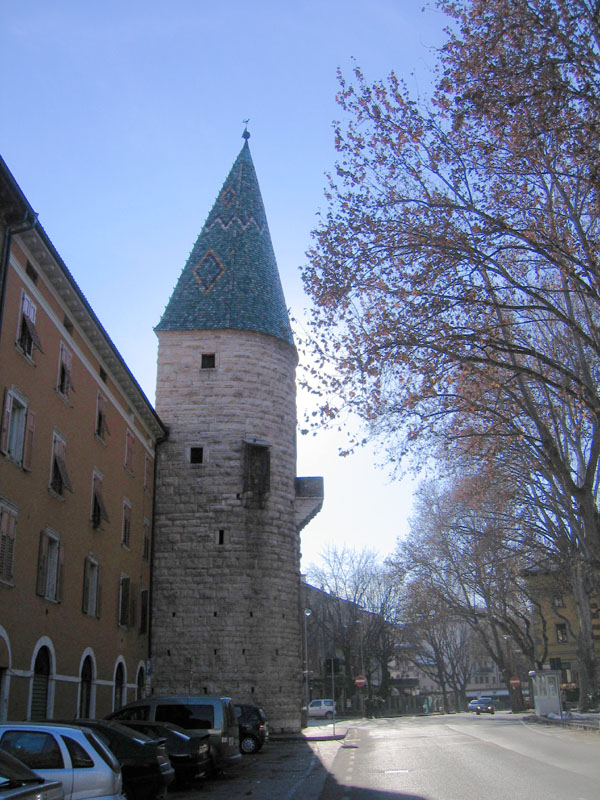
x,y
120,121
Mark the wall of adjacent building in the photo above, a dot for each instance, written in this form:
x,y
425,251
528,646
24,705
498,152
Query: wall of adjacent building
x,y
119,464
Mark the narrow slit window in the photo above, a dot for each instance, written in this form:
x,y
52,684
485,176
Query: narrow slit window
x,y
257,475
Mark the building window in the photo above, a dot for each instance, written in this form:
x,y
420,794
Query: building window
x,y
31,272
126,527
8,530
561,632
27,335
257,474
144,606
148,474
59,477
101,429
64,382
126,602
207,361
146,544
50,566
129,451
196,455
18,428
558,601
99,511
91,587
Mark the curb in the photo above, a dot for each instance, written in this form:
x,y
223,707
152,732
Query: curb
x,y
567,722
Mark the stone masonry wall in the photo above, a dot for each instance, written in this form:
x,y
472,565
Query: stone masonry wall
x,y
227,578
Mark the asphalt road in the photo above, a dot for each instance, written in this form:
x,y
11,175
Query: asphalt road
x,y
455,757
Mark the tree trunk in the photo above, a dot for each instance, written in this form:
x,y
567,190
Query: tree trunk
x,y
586,654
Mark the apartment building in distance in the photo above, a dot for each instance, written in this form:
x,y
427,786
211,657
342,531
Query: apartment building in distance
x,y
77,451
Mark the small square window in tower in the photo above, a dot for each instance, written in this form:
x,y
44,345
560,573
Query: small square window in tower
x,y
257,475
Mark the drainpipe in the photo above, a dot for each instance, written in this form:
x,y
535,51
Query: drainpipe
x,y
5,257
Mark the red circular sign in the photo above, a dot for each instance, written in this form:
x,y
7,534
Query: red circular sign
x,y
515,682
360,680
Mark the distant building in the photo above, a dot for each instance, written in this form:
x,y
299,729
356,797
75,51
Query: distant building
x,y
229,508
559,638
77,450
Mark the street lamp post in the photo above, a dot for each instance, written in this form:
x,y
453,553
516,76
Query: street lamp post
x,y
307,613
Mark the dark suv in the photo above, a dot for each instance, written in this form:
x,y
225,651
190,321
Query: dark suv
x,y
254,729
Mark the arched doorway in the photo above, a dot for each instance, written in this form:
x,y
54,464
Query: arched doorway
x,y
41,685
119,687
85,692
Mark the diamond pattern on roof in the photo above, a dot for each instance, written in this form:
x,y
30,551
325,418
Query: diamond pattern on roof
x,y
231,280
208,271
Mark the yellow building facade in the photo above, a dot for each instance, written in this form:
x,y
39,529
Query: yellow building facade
x,y
77,451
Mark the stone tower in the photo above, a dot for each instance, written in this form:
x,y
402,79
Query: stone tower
x,y
226,583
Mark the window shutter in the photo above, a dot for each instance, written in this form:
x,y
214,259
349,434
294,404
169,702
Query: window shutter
x,y
102,411
60,575
35,337
68,361
132,605
28,444
99,498
6,421
99,593
59,454
129,450
42,574
86,586
126,532
124,601
8,524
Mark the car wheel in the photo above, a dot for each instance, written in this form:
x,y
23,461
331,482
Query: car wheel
x,y
249,745
329,715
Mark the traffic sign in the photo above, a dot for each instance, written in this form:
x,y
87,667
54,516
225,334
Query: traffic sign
x,y
515,682
360,680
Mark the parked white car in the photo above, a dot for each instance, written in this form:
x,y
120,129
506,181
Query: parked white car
x,y
74,756
321,708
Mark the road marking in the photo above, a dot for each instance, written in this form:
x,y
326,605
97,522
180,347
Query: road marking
x,y
396,771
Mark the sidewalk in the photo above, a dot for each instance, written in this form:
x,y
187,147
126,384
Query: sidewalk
x,y
590,721
320,732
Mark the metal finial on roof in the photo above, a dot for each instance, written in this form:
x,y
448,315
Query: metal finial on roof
x,y
246,133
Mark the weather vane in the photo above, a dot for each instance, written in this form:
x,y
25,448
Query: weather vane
x,y
246,133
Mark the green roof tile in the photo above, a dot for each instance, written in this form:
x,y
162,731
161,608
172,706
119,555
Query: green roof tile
x,y
231,278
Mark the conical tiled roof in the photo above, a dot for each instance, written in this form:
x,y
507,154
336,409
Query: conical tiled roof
x,y
231,278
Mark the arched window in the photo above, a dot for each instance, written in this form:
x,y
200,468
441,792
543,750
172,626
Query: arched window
x,y
141,681
119,687
41,683
85,694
